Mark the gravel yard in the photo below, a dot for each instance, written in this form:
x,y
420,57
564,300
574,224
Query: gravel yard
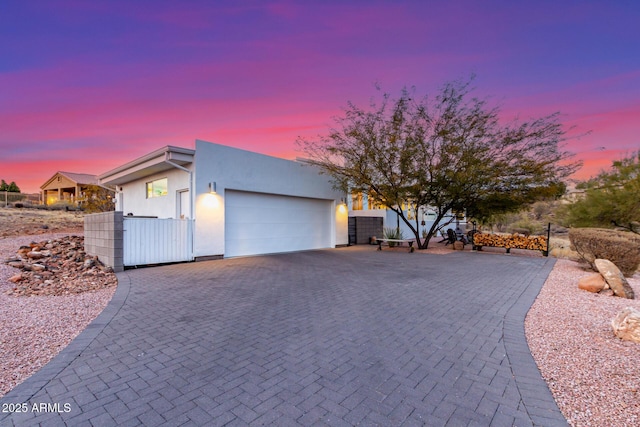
x,y
35,329
593,375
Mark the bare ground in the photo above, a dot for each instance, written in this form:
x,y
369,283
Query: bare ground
x,y
24,221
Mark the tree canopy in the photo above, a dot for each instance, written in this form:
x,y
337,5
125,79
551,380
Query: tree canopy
x,y
612,198
449,152
12,187
97,199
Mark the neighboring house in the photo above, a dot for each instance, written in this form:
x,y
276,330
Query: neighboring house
x,y
572,194
241,202
66,187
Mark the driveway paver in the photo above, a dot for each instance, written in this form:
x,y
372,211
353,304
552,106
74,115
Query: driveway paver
x,y
340,337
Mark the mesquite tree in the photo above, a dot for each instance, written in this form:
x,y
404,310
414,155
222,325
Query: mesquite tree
x,y
449,152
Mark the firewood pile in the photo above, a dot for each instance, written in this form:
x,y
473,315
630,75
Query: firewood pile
x,y
509,241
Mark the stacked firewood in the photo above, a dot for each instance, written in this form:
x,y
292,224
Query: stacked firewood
x,y
516,241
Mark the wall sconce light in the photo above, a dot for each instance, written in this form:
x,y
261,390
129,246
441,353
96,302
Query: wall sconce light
x,y
343,201
212,188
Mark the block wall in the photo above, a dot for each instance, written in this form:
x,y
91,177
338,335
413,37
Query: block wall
x,y
103,237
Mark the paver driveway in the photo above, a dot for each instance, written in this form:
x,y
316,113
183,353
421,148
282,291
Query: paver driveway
x,y
339,337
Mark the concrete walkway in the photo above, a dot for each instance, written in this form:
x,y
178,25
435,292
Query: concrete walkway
x,y
340,337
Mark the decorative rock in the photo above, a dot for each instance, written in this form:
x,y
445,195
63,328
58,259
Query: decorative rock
x,y
458,245
626,325
38,267
63,269
35,255
16,264
614,278
593,283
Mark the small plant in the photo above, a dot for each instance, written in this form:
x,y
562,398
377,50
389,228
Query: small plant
x,y
392,233
620,247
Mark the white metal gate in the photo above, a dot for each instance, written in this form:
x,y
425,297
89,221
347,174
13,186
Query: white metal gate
x,y
156,241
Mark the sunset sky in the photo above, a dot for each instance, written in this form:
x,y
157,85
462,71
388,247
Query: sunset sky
x,y
86,86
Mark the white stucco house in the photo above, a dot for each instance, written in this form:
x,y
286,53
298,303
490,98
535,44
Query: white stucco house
x,y
237,202
359,206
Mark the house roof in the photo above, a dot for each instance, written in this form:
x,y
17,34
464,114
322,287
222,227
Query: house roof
x,y
78,178
154,162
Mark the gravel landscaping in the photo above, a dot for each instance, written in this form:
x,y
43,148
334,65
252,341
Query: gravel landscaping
x,y
593,375
34,329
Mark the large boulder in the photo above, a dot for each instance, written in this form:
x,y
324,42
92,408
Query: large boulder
x,y
626,325
614,278
592,283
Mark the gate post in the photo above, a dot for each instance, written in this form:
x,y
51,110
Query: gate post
x,y
103,237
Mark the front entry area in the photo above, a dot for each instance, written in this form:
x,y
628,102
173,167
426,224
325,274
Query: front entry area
x,y
259,223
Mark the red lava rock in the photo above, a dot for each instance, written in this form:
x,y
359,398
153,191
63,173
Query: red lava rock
x,y
62,268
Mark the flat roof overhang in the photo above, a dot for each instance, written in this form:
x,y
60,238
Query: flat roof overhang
x,y
152,163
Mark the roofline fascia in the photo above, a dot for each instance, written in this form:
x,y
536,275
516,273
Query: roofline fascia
x,y
159,153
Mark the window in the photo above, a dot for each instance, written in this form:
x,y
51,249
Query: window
x,y
157,188
356,201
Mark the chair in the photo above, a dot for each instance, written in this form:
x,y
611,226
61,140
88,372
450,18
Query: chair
x,y
451,236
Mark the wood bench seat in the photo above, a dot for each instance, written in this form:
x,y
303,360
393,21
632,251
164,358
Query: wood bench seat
x,y
398,241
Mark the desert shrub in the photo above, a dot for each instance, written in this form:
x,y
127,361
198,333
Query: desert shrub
x,y
523,226
620,247
392,233
62,206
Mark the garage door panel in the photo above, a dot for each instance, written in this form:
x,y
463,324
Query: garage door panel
x,y
257,223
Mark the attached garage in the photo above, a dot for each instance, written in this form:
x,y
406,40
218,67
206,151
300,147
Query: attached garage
x,y
238,203
261,223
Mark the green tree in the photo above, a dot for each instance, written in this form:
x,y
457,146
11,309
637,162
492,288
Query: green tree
x,y
450,152
612,198
12,188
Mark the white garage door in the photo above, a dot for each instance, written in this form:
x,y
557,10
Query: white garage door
x,y
257,223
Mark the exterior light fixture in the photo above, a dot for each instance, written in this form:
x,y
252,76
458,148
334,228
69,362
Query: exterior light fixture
x,y
212,187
